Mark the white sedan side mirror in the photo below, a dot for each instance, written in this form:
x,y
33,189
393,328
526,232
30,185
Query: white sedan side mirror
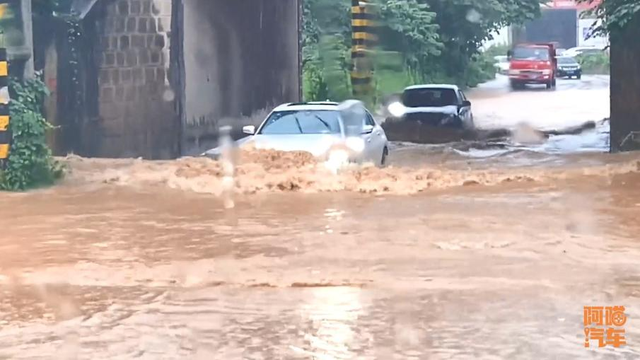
x,y
249,129
367,129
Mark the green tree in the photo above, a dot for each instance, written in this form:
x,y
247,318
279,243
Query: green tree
x,y
614,13
463,26
434,40
326,43
408,28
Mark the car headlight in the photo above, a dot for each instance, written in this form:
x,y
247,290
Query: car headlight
x,y
397,109
514,72
546,72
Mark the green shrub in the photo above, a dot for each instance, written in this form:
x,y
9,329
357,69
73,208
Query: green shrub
x,y
497,50
30,162
598,64
481,69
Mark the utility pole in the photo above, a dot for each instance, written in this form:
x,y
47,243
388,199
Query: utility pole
x,y
362,43
27,31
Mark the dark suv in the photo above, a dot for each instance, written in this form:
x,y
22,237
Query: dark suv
x,y
438,106
569,67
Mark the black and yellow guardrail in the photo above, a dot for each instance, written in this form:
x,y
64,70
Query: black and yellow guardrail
x,y
363,41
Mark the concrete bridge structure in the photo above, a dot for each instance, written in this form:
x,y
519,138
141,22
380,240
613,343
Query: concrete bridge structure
x,y
157,78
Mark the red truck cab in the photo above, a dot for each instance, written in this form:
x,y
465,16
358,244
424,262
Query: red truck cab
x,y
533,64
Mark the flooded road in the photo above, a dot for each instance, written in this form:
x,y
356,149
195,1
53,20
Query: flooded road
x,y
521,115
572,103
463,251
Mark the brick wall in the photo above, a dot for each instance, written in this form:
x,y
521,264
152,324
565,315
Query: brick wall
x,y
136,103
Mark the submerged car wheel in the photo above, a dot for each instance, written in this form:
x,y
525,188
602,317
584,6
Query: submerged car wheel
x,y
385,153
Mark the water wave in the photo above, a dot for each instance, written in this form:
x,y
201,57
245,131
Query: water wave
x,y
261,171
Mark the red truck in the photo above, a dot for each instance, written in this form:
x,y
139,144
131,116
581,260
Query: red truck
x,y
533,64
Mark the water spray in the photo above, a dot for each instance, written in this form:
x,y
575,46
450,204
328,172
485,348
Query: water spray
x,y
352,113
228,166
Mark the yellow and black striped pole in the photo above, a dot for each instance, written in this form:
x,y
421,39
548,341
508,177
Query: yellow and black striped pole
x,y
5,136
362,43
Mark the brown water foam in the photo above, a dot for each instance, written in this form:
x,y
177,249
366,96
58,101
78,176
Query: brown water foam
x,y
261,171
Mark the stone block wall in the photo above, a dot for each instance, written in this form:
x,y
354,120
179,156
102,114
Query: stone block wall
x,y
136,102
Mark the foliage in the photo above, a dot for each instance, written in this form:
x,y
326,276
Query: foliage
x,y
614,13
464,25
409,29
433,40
599,64
30,163
497,50
481,69
325,56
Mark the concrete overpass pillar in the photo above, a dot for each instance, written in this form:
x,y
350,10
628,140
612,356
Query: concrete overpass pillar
x,y
239,59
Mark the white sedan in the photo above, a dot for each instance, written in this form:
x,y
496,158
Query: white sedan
x,y
322,129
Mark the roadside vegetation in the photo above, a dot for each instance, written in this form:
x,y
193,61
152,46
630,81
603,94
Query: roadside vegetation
x,y
615,15
420,41
595,64
30,164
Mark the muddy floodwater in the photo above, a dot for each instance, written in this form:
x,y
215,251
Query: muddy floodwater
x,y
459,251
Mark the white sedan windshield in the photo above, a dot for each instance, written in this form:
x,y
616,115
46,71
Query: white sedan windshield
x,y
302,122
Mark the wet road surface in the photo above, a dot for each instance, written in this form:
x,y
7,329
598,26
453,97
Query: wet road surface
x,y
572,103
512,125
493,256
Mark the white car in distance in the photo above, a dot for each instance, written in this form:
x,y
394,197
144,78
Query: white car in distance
x,y
502,64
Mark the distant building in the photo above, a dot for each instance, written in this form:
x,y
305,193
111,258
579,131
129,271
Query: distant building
x,y
562,21
586,36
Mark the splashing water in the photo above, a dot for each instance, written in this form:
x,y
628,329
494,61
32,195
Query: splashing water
x,y
228,167
336,160
352,113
